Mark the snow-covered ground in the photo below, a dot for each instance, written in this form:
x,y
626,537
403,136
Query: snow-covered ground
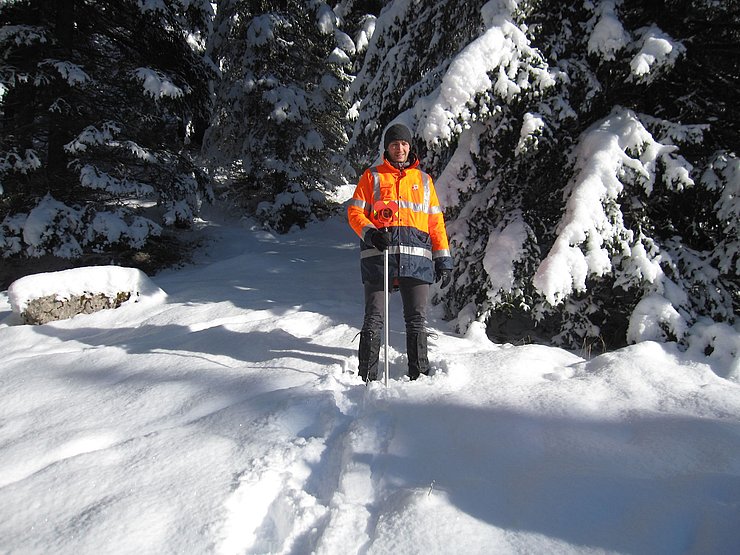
x,y
225,417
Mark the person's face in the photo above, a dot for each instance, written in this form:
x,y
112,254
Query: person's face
x,y
399,151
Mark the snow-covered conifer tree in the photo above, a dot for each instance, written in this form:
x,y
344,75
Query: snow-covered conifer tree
x,y
589,194
98,100
412,44
357,19
278,126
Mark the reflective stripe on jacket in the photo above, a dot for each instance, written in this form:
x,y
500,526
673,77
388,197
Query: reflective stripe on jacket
x,y
419,244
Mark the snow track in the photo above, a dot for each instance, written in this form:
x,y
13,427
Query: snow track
x,y
316,493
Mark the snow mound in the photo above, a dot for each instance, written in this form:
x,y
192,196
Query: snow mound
x,y
108,280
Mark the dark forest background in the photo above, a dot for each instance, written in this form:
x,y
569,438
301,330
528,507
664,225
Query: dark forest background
x,y
119,119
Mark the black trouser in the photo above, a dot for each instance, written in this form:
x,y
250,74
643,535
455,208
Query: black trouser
x,y
414,295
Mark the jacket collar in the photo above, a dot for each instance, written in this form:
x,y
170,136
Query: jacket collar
x,y
411,163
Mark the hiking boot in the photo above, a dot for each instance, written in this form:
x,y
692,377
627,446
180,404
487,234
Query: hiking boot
x,y
416,349
368,355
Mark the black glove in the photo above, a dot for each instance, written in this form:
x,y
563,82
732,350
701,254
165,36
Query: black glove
x,y
445,276
378,239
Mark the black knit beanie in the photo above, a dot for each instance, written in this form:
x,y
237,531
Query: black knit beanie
x,y
396,132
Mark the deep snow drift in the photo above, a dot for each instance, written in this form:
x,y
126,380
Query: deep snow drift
x,y
226,418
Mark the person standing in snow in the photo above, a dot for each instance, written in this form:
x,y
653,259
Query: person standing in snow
x,y
415,236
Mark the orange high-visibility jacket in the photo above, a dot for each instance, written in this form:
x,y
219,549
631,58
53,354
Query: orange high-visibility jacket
x,y
419,244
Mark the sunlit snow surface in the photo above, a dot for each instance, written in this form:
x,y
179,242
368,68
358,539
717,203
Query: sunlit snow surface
x,y
225,417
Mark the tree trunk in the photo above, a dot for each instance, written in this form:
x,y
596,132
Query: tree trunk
x,y
60,120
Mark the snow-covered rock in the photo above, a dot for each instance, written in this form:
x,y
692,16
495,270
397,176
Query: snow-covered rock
x,y
49,296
